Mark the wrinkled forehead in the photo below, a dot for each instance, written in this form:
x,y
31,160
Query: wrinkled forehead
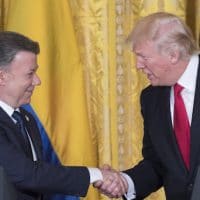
x,y
141,38
142,45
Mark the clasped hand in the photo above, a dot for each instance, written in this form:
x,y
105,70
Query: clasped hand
x,y
113,185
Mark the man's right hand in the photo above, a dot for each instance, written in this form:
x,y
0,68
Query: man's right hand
x,y
113,185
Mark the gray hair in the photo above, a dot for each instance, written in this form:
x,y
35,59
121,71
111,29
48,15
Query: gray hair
x,y
11,43
168,31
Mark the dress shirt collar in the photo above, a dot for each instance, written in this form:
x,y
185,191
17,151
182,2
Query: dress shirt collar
x,y
188,78
7,108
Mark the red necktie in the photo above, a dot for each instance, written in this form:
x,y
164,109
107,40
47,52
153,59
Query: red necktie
x,y
181,125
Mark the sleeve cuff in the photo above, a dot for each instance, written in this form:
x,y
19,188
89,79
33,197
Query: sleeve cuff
x,y
95,174
131,194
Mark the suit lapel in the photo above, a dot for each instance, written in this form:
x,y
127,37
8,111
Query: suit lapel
x,y
33,133
195,125
11,130
167,127
15,136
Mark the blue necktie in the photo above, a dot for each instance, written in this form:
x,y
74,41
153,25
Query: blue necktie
x,y
20,124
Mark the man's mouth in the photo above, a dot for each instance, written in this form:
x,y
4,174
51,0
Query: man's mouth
x,y
30,91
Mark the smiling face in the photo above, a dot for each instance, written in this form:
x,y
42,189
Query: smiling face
x,y
19,79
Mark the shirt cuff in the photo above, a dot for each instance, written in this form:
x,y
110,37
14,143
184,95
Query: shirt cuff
x,y
95,174
131,194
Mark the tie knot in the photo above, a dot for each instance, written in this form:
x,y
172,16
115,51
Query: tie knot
x,y
177,89
17,116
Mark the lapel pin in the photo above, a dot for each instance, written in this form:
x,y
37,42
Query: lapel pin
x,y
27,118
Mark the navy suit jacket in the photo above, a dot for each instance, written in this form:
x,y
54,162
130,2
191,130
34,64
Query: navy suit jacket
x,y
162,164
34,178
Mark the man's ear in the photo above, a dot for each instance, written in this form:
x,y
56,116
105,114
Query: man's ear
x,y
2,77
174,56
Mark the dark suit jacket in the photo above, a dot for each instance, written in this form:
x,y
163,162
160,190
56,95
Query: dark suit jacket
x,y
35,178
162,164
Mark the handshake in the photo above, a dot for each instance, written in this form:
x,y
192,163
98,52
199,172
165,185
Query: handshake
x,y
113,185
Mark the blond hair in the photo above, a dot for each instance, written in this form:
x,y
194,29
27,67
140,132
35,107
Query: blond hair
x,y
168,31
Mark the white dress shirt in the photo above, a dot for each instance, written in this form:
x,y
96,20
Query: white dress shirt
x,y
188,81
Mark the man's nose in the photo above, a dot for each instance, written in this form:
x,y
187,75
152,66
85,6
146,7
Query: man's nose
x,y
36,80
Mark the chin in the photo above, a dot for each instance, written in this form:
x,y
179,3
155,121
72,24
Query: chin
x,y
154,84
27,101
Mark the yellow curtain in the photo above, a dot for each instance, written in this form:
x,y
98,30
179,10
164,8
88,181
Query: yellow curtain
x,y
60,101
113,83
89,98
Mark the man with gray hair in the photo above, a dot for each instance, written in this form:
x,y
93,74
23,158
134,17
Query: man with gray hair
x,y
21,153
166,52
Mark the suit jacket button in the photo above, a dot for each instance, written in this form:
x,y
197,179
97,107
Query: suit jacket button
x,y
190,186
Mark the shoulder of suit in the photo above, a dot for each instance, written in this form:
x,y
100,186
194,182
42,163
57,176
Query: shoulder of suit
x,y
152,92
